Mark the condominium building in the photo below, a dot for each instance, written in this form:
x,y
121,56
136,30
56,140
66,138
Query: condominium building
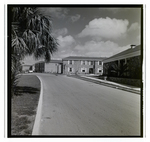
x,y
82,65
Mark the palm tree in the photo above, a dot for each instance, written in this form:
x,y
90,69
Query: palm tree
x,y
119,70
30,35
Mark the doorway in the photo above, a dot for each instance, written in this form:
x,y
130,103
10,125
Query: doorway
x,y
91,70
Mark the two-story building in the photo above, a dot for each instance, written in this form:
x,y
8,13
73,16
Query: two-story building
x,y
83,65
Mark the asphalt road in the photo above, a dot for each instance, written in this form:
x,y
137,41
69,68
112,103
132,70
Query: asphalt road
x,y
73,107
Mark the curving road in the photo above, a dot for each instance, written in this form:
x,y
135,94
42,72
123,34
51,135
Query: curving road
x,y
73,107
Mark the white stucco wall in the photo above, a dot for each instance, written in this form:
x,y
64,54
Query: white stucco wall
x,y
52,67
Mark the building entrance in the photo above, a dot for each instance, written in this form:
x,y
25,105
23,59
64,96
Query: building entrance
x,y
91,70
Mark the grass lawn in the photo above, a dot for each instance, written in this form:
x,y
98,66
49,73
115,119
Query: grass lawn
x,y
24,105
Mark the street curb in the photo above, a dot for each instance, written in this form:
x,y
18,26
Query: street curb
x,y
116,85
36,126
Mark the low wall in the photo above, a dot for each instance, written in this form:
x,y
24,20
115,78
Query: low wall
x,y
127,81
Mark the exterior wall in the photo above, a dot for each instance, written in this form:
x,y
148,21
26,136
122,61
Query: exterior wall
x,y
53,68
98,68
78,67
25,68
39,67
133,69
50,68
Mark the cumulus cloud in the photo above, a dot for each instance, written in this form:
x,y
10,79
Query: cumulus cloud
x,y
75,18
65,41
60,32
133,27
69,47
134,33
93,48
105,28
99,49
66,46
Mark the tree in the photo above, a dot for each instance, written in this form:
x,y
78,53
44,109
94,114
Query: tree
x,y
119,70
107,69
30,35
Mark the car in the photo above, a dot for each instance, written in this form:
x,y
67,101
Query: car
x,y
30,71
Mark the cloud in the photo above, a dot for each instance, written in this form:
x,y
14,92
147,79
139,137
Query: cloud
x,y
99,49
60,32
55,12
66,47
66,41
133,27
69,47
134,33
75,18
30,60
105,28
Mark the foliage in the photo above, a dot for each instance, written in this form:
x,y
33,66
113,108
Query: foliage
x,y
107,70
15,69
119,70
132,69
30,35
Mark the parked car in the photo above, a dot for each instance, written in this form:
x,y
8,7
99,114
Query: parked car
x,y
30,71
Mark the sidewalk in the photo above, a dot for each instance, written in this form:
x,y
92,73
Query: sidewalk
x,y
132,89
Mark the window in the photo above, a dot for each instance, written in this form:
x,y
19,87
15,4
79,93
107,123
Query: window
x,y
99,63
99,70
83,69
90,62
82,62
70,62
70,69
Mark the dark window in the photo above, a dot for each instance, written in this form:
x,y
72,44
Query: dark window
x,y
70,69
70,62
100,63
91,62
83,62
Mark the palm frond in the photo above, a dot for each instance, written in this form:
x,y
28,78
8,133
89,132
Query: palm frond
x,y
31,34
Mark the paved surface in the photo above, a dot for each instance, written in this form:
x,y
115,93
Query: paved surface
x,y
75,107
124,87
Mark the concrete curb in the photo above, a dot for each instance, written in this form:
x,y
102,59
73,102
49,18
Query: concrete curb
x,y
36,126
110,84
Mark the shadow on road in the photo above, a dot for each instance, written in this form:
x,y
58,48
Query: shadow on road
x,y
19,90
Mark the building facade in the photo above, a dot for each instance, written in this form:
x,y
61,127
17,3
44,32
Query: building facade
x,y
124,64
25,68
82,65
54,66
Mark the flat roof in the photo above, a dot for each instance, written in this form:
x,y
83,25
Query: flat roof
x,y
25,65
84,58
51,61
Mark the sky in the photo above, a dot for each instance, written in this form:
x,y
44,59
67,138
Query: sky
x,y
93,31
